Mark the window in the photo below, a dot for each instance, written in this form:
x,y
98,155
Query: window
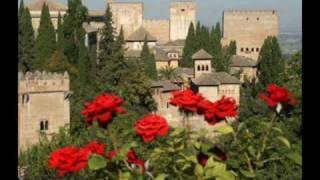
x,y
44,125
241,49
182,10
257,18
247,18
202,67
257,49
252,49
207,68
247,49
198,67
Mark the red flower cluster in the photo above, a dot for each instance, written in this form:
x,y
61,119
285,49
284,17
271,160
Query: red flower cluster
x,y
150,126
219,110
276,94
71,159
186,100
102,109
131,158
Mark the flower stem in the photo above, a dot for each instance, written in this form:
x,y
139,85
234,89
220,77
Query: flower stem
x,y
266,136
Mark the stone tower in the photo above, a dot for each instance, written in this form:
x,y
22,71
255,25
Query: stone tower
x,y
202,63
43,105
128,15
249,28
181,15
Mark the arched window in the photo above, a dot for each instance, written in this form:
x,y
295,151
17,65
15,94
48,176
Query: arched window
x,y
257,49
241,49
257,18
202,68
247,49
198,67
207,68
252,49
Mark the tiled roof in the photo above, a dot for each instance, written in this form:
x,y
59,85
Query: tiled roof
x,y
178,42
206,80
165,85
225,78
53,5
161,55
242,61
140,34
201,54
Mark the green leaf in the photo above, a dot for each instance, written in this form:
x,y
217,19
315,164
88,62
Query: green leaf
x,y
284,141
251,151
97,162
197,145
277,129
224,129
225,175
176,132
295,157
199,170
241,126
161,177
247,174
125,176
210,163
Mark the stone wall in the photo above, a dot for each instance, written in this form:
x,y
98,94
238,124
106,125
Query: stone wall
x,y
249,28
181,15
246,72
204,65
210,92
230,90
42,97
158,28
127,15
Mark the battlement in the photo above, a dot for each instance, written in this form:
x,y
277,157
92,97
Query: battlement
x,y
250,12
37,82
156,20
186,4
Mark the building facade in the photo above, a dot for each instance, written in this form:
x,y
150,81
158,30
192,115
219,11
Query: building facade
x,y
43,106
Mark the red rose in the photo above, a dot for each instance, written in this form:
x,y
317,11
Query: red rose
x,y
219,110
131,158
102,109
186,100
276,94
150,126
202,159
69,159
96,148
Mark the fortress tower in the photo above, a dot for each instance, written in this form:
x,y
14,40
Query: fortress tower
x,y
43,105
128,15
181,15
249,28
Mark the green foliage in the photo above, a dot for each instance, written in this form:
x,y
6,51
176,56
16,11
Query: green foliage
x,y
60,35
26,40
270,62
148,61
168,73
189,48
58,62
46,39
232,48
73,32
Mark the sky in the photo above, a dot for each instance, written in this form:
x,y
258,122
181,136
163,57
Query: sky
x,y
210,11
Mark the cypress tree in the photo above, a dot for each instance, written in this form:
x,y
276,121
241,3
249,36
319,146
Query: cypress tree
x,y
270,62
197,43
205,39
216,49
148,61
21,8
46,39
26,41
232,48
72,29
60,36
189,47
58,62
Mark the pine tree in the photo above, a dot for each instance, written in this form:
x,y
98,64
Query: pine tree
x,y
217,52
197,43
189,47
270,62
26,41
204,39
232,48
148,60
46,39
21,8
60,36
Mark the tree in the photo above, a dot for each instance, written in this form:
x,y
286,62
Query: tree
x,y
46,39
168,73
73,31
232,48
149,61
270,62
189,47
60,36
198,37
58,62
204,39
26,40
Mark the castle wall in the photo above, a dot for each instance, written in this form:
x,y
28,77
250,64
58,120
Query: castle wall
x,y
127,15
249,29
209,92
246,72
158,28
42,97
181,15
199,65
